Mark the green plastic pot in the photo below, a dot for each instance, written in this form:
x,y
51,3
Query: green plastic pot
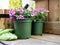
x,y
23,28
37,27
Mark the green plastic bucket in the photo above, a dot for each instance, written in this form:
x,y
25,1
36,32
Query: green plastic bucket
x,y
23,28
37,27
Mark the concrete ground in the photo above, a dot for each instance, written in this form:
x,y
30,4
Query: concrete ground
x,y
45,39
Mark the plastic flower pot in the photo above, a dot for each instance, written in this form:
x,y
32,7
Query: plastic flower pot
x,y
37,27
23,28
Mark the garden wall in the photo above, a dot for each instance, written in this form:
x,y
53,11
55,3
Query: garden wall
x,y
5,22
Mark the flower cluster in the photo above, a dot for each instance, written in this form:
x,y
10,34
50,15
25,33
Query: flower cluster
x,y
34,14
39,13
19,13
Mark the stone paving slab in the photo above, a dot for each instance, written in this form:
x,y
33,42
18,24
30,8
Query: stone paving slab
x,y
45,39
48,37
29,42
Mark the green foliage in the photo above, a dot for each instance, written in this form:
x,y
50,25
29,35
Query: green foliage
x,y
27,13
18,13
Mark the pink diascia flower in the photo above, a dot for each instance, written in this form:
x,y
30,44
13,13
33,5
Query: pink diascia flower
x,y
11,12
39,10
33,14
45,10
20,17
42,10
21,10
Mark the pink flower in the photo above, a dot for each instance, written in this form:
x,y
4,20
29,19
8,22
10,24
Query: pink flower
x,y
39,10
33,14
43,10
11,12
20,17
21,10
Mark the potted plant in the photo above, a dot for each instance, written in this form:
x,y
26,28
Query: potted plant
x,y
22,22
38,16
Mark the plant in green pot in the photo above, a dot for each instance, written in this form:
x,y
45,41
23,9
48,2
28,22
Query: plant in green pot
x,y
22,22
38,16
